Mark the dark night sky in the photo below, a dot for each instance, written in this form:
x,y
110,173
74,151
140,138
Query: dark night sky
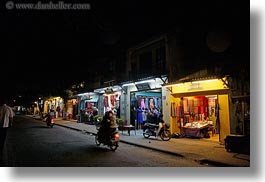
x,y
43,46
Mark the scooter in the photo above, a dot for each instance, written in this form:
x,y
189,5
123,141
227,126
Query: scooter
x,y
112,141
50,122
49,118
150,130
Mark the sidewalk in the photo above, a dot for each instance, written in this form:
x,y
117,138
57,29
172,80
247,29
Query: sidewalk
x,y
207,152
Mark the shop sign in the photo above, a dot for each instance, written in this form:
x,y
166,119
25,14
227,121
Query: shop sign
x,y
194,86
143,86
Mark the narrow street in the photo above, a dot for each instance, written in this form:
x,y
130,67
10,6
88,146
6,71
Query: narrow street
x,y
31,144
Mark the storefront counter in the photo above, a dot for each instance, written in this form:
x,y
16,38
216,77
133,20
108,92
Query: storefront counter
x,y
195,132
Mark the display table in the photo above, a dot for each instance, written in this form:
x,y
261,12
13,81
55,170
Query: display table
x,y
128,128
195,132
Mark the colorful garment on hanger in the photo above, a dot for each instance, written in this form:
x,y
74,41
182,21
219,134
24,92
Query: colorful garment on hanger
x,y
106,103
112,100
185,105
155,101
134,102
159,102
142,104
146,103
151,104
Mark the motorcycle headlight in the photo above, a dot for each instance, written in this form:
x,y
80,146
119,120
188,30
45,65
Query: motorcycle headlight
x,y
117,135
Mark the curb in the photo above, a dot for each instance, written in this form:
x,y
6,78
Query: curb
x,y
76,129
153,148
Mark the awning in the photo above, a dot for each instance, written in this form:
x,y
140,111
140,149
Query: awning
x,y
94,99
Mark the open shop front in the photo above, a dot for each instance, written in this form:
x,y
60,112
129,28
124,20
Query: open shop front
x,y
200,109
146,106
88,107
109,100
141,101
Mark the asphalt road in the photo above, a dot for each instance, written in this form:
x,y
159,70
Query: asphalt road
x,y
31,144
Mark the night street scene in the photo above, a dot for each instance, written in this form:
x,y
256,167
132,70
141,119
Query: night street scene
x,y
125,84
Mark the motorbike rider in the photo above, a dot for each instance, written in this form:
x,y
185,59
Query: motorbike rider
x,y
161,122
108,126
50,115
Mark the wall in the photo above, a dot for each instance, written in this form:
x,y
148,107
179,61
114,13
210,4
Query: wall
x,y
224,116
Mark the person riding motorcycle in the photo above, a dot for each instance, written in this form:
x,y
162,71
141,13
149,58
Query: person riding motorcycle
x,y
108,126
50,115
161,122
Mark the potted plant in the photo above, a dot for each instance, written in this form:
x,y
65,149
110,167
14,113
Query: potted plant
x,y
97,119
119,123
78,118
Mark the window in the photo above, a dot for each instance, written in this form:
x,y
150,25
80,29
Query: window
x,y
160,59
145,64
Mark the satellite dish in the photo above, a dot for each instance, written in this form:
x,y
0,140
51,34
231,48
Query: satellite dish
x,y
218,41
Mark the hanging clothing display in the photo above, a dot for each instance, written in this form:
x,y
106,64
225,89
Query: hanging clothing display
x,y
159,102
151,104
146,103
82,105
155,101
112,100
109,102
134,102
106,103
88,105
185,105
142,104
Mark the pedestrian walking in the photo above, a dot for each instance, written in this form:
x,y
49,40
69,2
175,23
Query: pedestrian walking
x,y
6,120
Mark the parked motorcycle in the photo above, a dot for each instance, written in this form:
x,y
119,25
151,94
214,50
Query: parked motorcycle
x,y
151,129
112,141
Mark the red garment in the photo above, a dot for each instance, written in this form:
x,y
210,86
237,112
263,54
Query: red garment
x,y
106,103
88,105
201,110
112,100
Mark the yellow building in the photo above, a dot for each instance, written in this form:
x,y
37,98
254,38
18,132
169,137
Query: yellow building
x,y
53,103
194,101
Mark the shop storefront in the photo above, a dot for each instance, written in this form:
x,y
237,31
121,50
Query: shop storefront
x,y
55,103
194,107
141,101
109,100
88,104
72,108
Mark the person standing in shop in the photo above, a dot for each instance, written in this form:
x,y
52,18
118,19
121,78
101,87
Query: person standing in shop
x,y
6,120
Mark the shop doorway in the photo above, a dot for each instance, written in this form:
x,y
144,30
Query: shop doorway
x,y
145,106
198,112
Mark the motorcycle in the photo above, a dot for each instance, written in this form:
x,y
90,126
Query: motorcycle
x,y
49,119
112,141
150,130
50,122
